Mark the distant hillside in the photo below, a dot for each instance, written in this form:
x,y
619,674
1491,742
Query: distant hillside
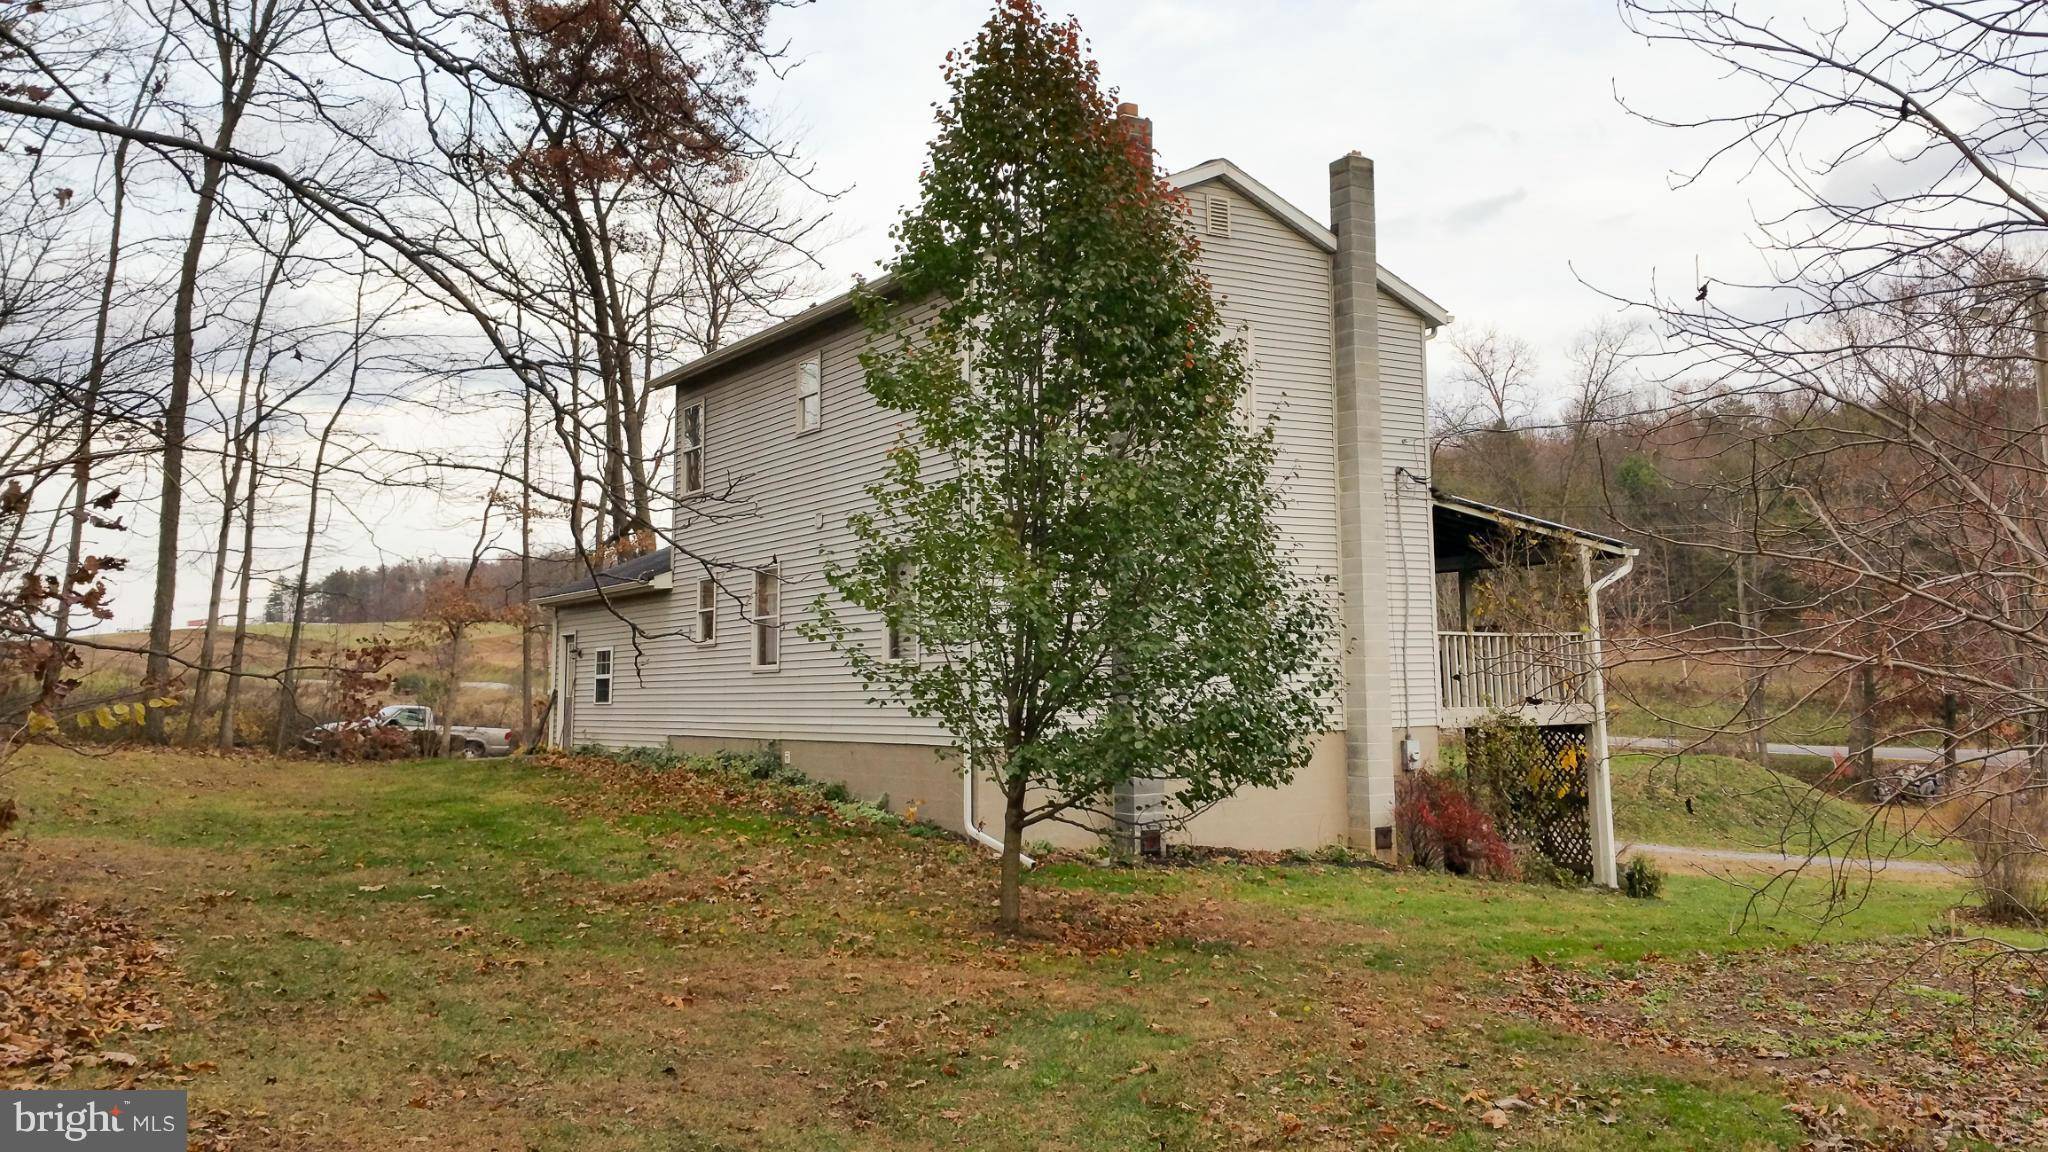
x,y
1737,804
491,653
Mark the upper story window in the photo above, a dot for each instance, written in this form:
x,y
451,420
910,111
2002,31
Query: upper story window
x,y
707,610
810,393
1248,400
690,461
601,677
767,618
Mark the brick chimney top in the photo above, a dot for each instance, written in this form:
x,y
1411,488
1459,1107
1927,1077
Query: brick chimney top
x,y
1139,132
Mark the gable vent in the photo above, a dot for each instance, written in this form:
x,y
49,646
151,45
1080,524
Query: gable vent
x,y
1216,215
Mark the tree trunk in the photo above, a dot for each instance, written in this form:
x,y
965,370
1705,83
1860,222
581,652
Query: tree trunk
x,y
449,698
287,684
238,88
170,508
526,568
231,694
1754,678
1010,913
95,377
1863,729
232,482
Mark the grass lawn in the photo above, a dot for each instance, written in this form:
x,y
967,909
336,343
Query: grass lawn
x,y
1690,698
519,955
1739,804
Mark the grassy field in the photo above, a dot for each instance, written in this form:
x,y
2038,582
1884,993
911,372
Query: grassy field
x,y
1741,805
491,652
1688,699
490,660
571,956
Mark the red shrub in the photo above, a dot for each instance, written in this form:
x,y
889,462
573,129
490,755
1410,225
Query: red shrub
x,y
1441,827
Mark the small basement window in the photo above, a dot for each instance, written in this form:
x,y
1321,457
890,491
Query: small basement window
x,y
601,676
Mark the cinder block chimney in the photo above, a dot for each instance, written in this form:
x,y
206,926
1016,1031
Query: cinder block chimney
x,y
1361,508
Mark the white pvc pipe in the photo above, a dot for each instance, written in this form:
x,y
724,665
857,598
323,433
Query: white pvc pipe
x,y
1601,799
974,831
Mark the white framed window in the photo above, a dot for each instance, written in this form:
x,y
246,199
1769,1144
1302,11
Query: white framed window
x,y
1216,215
690,441
767,618
810,393
707,610
902,640
601,676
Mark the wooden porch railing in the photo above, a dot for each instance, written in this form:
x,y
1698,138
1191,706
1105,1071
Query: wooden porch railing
x,y
1480,672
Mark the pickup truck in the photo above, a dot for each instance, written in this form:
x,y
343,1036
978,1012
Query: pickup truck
x,y
418,720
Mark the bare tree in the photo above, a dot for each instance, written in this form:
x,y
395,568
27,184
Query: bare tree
x,y
242,45
1890,364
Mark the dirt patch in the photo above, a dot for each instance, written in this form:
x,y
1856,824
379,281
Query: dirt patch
x,y
1941,1043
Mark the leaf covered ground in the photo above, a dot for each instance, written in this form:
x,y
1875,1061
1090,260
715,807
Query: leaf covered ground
x,y
1947,1044
586,955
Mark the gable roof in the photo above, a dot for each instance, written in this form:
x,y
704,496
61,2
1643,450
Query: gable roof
x,y
1241,182
640,574
840,307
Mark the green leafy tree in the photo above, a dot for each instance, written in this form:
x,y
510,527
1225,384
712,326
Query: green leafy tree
x,y
1074,552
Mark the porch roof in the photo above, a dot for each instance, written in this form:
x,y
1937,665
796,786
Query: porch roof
x,y
639,574
1464,529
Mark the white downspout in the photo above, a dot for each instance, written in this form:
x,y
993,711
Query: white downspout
x,y
1601,787
974,831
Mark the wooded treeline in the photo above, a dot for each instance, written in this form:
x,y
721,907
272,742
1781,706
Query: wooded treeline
x,y
398,592
265,264
1873,522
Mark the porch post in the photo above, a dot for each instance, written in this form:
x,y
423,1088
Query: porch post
x,y
1600,784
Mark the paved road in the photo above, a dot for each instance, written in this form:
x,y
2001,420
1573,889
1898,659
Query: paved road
x,y
1897,752
1738,856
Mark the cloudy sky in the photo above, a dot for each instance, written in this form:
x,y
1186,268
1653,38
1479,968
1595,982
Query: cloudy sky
x,y
1512,183
1510,177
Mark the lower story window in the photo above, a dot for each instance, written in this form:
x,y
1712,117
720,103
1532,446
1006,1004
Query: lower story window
x,y
902,638
767,618
601,677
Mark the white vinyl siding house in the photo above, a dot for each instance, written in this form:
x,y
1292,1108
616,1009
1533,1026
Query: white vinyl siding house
x,y
1411,575
783,427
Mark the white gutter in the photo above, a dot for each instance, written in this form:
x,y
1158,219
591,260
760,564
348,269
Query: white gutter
x,y
1601,789
974,831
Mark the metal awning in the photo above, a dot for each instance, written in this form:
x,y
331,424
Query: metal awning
x,y
1472,536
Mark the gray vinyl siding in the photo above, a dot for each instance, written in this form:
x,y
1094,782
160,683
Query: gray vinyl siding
x,y
787,497
1267,275
1404,445
644,673
791,494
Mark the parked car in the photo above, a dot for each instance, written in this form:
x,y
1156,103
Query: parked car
x,y
464,740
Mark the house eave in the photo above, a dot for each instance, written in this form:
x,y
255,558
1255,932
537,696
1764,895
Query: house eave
x,y
662,582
